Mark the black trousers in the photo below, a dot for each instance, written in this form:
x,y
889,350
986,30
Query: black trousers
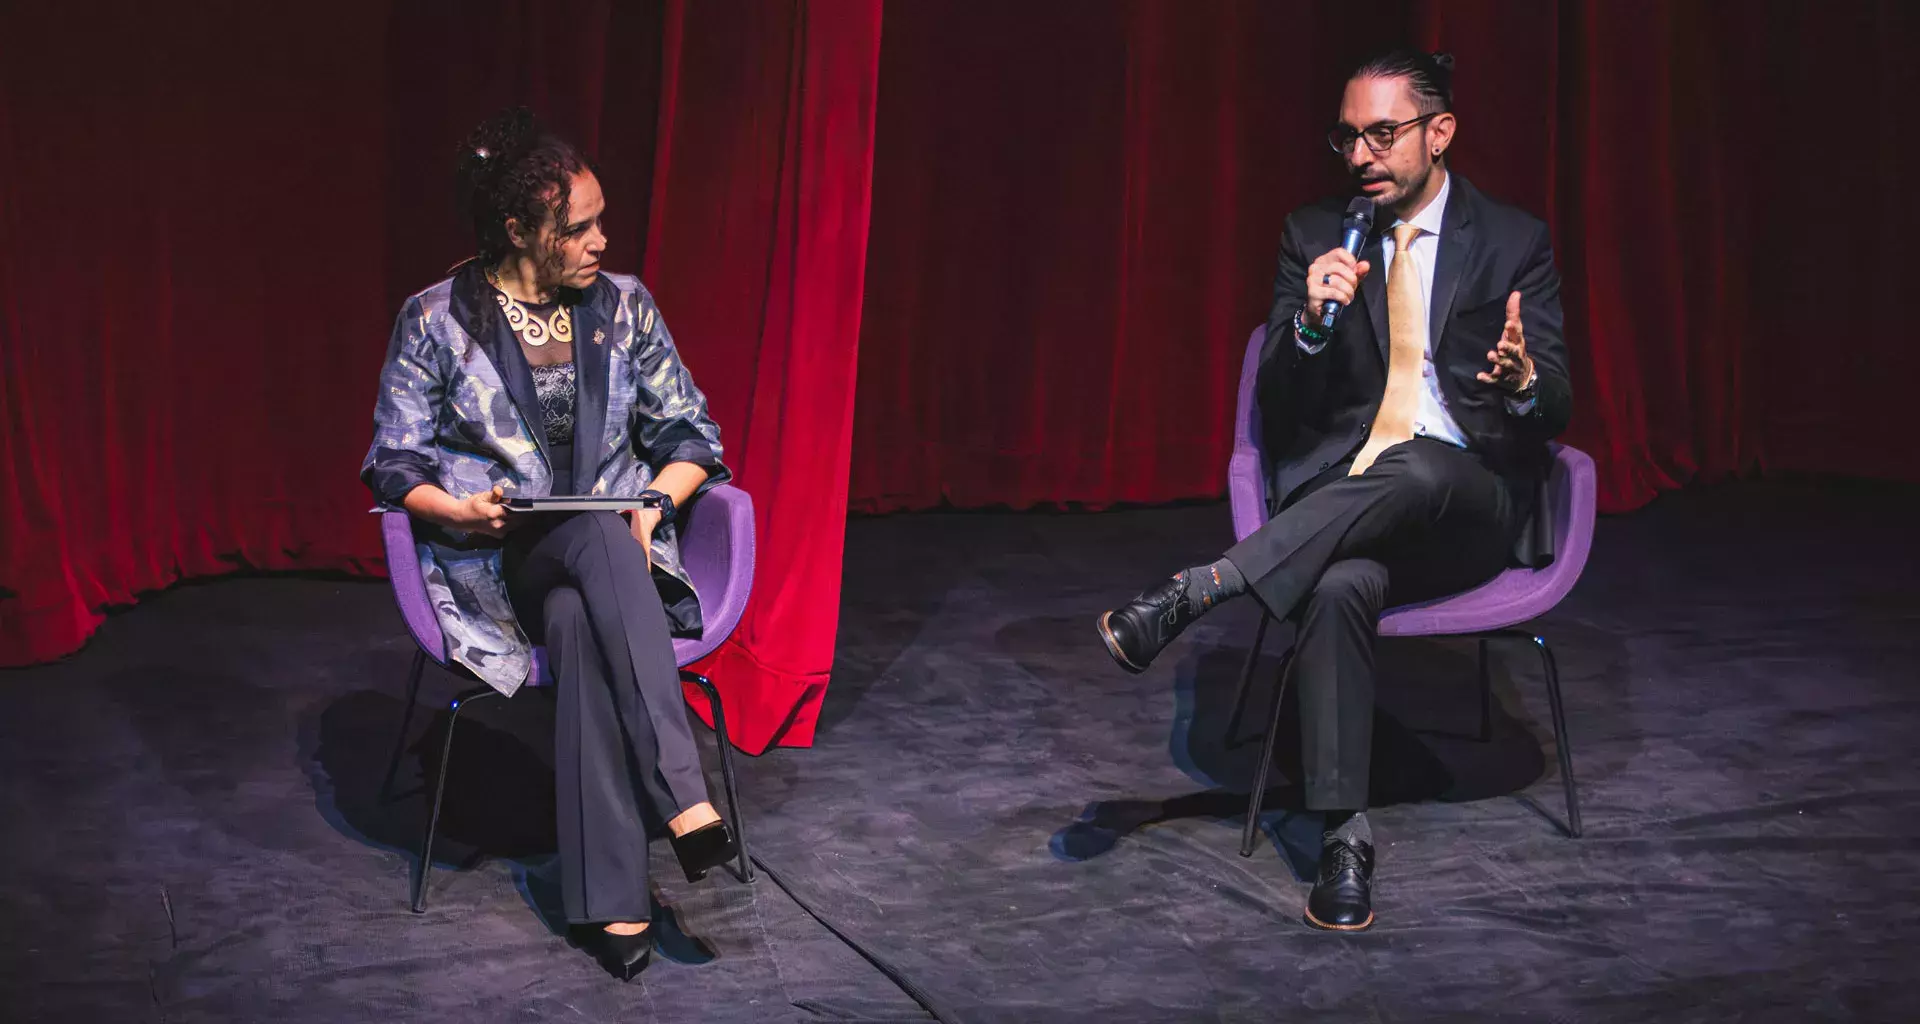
x,y
1427,519
581,584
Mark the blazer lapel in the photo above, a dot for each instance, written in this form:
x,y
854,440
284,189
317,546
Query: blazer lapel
x,y
591,362
1456,251
1373,290
496,340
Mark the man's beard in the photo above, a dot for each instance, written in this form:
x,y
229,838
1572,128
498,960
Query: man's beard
x,y
1407,189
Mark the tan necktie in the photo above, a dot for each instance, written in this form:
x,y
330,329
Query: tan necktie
x,y
1407,352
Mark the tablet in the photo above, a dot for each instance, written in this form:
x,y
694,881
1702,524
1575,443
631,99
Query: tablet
x,y
580,503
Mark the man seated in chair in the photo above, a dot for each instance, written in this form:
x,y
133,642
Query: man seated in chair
x,y
1408,443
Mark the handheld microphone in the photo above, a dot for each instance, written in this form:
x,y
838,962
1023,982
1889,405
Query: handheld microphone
x,y
1353,236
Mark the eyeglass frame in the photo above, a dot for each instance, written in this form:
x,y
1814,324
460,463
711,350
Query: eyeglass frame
x,y
1397,129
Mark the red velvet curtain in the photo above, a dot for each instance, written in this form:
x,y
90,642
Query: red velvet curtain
x,y
191,303
1078,205
212,211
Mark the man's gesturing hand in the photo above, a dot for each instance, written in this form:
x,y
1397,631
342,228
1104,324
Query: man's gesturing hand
x,y
1512,367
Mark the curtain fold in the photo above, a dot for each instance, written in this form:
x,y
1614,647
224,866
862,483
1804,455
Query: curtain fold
x,y
757,249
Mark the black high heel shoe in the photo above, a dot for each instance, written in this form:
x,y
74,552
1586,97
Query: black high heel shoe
x,y
703,849
623,956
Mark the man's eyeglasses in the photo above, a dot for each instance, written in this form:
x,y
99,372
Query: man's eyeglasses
x,y
1380,137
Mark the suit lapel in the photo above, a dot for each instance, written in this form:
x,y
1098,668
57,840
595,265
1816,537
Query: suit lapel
x,y
1456,251
1373,291
591,362
496,339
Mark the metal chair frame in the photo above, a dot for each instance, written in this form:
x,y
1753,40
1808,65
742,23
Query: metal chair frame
x,y
1548,665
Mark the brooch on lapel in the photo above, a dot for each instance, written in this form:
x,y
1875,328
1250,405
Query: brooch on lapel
x,y
599,336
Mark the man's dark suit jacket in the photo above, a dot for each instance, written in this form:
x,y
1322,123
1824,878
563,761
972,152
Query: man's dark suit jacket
x,y
1316,409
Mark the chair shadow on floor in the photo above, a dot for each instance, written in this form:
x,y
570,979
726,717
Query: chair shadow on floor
x,y
499,801
1425,747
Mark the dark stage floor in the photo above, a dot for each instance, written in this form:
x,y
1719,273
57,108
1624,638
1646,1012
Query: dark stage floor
x,y
1019,829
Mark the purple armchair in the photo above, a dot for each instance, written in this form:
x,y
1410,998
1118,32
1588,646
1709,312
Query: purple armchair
x,y
1486,612
717,546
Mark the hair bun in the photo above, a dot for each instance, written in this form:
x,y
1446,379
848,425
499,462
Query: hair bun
x,y
1444,61
500,142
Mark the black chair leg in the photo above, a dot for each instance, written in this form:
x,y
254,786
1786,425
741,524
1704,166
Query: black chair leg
x,y
1246,680
1560,733
1486,695
725,743
406,724
1266,760
425,867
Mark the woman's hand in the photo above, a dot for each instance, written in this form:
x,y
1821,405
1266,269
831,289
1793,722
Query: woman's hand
x,y
644,521
482,513
485,512
677,480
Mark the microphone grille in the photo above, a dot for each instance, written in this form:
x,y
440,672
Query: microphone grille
x,y
1361,209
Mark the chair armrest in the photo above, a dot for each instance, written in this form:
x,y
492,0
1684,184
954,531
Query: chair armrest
x,y
1246,491
1574,487
409,587
718,551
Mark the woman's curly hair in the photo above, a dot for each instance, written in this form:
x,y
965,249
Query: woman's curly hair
x,y
510,169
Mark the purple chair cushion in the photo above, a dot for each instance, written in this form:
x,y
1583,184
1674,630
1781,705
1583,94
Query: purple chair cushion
x,y
716,546
1510,598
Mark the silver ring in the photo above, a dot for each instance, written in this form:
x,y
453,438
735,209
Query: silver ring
x,y
1326,278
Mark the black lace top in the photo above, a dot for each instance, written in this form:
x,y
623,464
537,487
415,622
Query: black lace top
x,y
555,386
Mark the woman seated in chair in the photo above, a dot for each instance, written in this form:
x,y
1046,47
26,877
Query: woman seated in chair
x,y
530,373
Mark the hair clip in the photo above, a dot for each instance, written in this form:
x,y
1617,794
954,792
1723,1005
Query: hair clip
x,y
481,153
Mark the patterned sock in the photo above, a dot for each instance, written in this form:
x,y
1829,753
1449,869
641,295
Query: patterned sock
x,y
1208,585
1350,826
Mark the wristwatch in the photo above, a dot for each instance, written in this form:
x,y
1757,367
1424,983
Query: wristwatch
x,y
659,500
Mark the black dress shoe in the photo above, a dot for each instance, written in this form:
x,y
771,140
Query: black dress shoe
x,y
1342,900
623,956
1137,632
703,849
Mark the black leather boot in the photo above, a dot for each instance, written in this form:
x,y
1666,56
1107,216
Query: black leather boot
x,y
1342,899
1138,631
